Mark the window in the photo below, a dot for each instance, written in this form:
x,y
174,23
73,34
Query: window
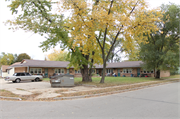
x,y
93,71
18,74
127,70
59,71
145,71
124,70
56,70
67,71
22,74
31,71
39,71
77,71
35,70
62,71
27,74
109,70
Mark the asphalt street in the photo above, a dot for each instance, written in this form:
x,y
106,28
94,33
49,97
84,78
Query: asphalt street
x,y
159,102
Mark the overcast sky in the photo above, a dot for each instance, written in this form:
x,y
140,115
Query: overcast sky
x,y
26,42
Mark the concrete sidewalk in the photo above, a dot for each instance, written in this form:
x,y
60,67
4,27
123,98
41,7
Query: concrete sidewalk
x,y
46,91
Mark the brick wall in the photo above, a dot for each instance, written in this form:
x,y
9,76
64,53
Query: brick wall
x,y
72,72
115,71
165,73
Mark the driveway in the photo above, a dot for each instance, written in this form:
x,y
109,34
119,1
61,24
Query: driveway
x,y
160,102
28,88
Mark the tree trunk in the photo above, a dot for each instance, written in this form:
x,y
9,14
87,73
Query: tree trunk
x,y
158,74
90,74
90,67
103,74
84,73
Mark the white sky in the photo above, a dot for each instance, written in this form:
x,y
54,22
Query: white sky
x,y
26,42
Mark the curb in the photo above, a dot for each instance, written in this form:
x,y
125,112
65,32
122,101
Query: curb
x,y
108,93
13,98
86,85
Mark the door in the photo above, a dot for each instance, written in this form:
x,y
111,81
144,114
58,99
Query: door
x,y
28,76
138,72
46,73
67,71
97,71
119,72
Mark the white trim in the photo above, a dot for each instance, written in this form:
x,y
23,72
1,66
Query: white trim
x,y
33,70
61,71
147,71
109,70
127,70
77,71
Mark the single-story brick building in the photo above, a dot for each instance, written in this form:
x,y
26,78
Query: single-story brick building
x,y
48,68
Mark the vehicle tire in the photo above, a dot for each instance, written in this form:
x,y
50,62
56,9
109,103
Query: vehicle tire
x,y
37,79
18,80
14,81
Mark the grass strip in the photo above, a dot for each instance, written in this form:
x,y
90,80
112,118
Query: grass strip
x,y
107,90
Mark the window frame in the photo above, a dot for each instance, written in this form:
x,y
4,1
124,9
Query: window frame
x,y
148,71
59,71
32,70
77,71
109,71
127,71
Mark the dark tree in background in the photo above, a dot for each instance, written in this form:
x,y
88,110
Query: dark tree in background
x,y
162,50
22,56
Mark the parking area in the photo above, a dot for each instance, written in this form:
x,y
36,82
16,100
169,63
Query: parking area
x,y
29,88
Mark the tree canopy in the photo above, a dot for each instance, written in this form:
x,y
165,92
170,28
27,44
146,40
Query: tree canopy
x,y
91,30
58,55
97,23
22,56
161,52
7,59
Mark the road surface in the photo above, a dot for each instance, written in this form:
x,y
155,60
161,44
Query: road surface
x,y
160,102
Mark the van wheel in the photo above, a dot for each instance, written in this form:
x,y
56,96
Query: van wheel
x,y
37,79
18,80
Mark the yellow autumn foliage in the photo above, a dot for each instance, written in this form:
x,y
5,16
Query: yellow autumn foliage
x,y
57,55
128,19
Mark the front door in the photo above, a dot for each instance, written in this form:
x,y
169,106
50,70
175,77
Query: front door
x,y
46,73
138,72
119,72
67,71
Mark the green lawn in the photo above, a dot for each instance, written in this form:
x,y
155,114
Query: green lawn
x,y
113,81
46,79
